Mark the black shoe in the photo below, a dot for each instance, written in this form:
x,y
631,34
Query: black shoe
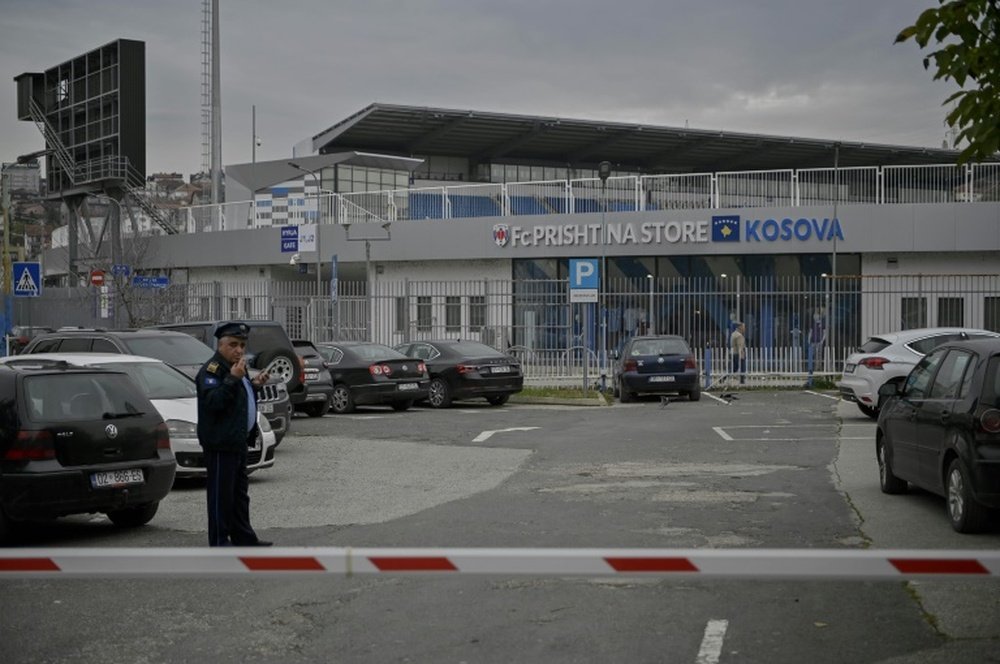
x,y
262,543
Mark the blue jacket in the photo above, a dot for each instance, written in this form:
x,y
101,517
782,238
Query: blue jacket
x,y
222,408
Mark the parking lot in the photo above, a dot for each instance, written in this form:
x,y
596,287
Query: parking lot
x,y
769,469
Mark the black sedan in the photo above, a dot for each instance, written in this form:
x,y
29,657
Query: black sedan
x,y
367,373
656,365
466,370
939,429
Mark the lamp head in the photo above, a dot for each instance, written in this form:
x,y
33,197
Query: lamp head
x,y
294,260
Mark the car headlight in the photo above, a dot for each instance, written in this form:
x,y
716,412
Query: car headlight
x,y
182,429
262,422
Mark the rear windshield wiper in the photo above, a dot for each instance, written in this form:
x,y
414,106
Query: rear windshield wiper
x,y
118,416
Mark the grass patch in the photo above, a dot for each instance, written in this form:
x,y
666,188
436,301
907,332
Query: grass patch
x,y
561,392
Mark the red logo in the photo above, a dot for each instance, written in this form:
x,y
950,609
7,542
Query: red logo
x,y
501,233
97,277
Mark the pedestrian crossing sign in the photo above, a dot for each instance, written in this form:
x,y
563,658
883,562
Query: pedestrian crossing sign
x,y
27,279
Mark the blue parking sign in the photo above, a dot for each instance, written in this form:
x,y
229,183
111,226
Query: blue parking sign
x,y
27,279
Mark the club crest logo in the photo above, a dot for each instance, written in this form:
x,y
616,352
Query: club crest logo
x,y
501,234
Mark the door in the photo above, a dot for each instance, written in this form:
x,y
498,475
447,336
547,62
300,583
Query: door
x,y
901,423
935,417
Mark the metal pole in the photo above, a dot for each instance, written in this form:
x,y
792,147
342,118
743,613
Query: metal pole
x,y
650,329
833,281
368,289
603,172
319,223
216,109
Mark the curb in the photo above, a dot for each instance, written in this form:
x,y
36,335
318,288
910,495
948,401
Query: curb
x,y
559,401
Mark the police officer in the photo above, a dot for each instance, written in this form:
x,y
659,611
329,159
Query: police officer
x,y
227,425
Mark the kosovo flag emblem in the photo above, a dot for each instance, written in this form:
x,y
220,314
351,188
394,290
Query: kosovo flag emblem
x,y
726,228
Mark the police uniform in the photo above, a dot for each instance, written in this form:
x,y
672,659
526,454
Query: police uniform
x,y
227,425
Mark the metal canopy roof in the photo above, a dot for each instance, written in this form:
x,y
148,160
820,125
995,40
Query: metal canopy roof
x,y
505,138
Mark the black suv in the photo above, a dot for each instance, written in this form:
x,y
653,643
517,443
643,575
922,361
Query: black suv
x,y
267,348
939,429
76,440
317,379
174,348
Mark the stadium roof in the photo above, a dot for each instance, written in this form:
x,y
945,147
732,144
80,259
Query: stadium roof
x,y
485,137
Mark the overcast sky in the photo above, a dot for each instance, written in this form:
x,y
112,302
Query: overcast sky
x,y
810,68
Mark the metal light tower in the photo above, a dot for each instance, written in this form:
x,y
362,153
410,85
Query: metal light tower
x,y
319,222
604,172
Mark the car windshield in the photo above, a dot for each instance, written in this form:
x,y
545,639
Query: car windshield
x,y
180,349
376,352
75,397
157,381
659,347
472,348
264,337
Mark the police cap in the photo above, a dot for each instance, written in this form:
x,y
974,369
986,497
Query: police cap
x,y
238,330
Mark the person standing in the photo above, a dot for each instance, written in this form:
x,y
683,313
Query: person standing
x,y
227,425
738,351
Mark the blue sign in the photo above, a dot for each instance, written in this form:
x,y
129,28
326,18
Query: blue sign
x,y
120,270
150,282
583,273
726,228
27,279
289,239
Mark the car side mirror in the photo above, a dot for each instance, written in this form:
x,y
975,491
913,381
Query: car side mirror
x,y
890,389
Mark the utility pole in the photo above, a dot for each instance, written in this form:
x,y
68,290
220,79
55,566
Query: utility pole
x,y
8,277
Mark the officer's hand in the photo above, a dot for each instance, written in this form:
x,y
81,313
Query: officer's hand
x,y
239,369
261,378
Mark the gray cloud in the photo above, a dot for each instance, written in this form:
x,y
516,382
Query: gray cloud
x,y
806,68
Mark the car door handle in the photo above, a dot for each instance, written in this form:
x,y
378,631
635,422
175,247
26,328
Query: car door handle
x,y
945,415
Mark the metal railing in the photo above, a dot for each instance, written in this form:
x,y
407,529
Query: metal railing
x,y
867,185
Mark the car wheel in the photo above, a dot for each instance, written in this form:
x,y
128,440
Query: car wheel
x,y
886,479
341,400
400,406
624,395
317,409
498,399
133,517
869,411
965,514
695,394
4,527
284,365
439,394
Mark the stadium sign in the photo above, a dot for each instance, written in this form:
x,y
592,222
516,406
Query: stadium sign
x,y
721,228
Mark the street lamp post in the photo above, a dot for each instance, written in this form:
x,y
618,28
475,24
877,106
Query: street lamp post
x,y
319,223
603,172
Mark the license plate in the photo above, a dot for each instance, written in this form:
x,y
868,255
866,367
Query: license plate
x,y
316,397
661,379
112,478
407,386
501,369
849,368
266,408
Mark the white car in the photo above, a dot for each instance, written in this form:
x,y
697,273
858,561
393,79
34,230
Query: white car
x,y
887,356
176,399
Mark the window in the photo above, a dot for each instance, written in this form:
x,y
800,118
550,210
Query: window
x,y
452,314
914,313
75,345
951,312
948,382
103,346
477,313
927,344
424,313
920,378
991,313
401,317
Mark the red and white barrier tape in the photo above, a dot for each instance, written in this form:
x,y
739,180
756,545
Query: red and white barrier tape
x,y
841,564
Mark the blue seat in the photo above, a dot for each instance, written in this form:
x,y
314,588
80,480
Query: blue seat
x,y
526,205
463,205
556,203
621,206
426,206
586,205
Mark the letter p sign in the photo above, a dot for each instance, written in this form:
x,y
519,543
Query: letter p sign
x,y
583,273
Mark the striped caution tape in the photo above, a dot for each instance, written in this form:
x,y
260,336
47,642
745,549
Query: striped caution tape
x,y
687,563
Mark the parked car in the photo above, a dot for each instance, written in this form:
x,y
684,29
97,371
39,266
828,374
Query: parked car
x,y
176,349
656,364
76,440
887,356
268,347
317,379
466,370
367,373
939,429
175,397
20,335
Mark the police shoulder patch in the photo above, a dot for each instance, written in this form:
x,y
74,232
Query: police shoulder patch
x,y
213,367
211,381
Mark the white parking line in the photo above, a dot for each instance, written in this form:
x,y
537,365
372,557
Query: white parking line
x,y
725,436
484,436
711,643
712,396
820,394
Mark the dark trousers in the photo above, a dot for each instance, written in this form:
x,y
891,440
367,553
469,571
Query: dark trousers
x,y
228,499
740,367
